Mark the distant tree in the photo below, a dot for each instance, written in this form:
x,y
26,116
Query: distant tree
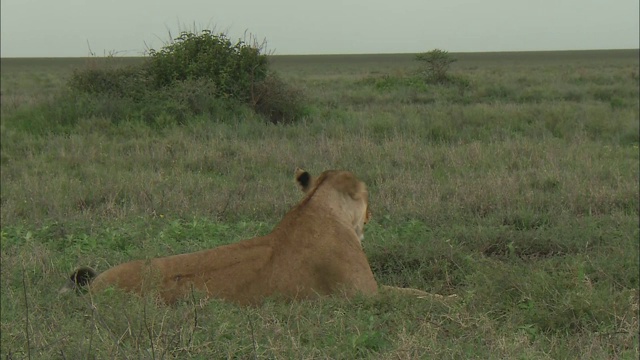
x,y
435,65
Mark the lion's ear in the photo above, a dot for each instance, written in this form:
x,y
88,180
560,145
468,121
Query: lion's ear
x,y
304,179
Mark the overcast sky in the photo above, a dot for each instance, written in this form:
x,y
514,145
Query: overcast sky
x,y
47,28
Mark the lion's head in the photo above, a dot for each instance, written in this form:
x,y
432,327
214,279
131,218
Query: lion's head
x,y
344,192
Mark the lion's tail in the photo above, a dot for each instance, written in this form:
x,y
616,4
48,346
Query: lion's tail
x,y
79,280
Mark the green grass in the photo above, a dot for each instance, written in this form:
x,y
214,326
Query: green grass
x,y
515,189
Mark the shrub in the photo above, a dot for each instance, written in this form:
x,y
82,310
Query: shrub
x,y
435,66
130,82
234,68
276,100
196,74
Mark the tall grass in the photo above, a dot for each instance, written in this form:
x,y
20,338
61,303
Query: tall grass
x,y
517,192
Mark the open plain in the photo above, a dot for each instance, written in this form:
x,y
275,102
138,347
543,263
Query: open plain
x,y
514,188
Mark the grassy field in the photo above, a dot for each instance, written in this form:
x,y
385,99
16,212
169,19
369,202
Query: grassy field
x,y
516,190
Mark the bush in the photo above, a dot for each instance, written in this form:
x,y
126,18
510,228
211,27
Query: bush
x,y
127,81
196,74
276,100
435,66
234,68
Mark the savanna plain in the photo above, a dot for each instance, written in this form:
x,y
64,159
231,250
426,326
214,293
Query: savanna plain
x,y
514,188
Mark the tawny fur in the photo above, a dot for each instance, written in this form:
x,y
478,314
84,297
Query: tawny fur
x,y
314,251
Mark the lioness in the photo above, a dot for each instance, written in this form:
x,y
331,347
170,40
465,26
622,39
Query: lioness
x,y
314,251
